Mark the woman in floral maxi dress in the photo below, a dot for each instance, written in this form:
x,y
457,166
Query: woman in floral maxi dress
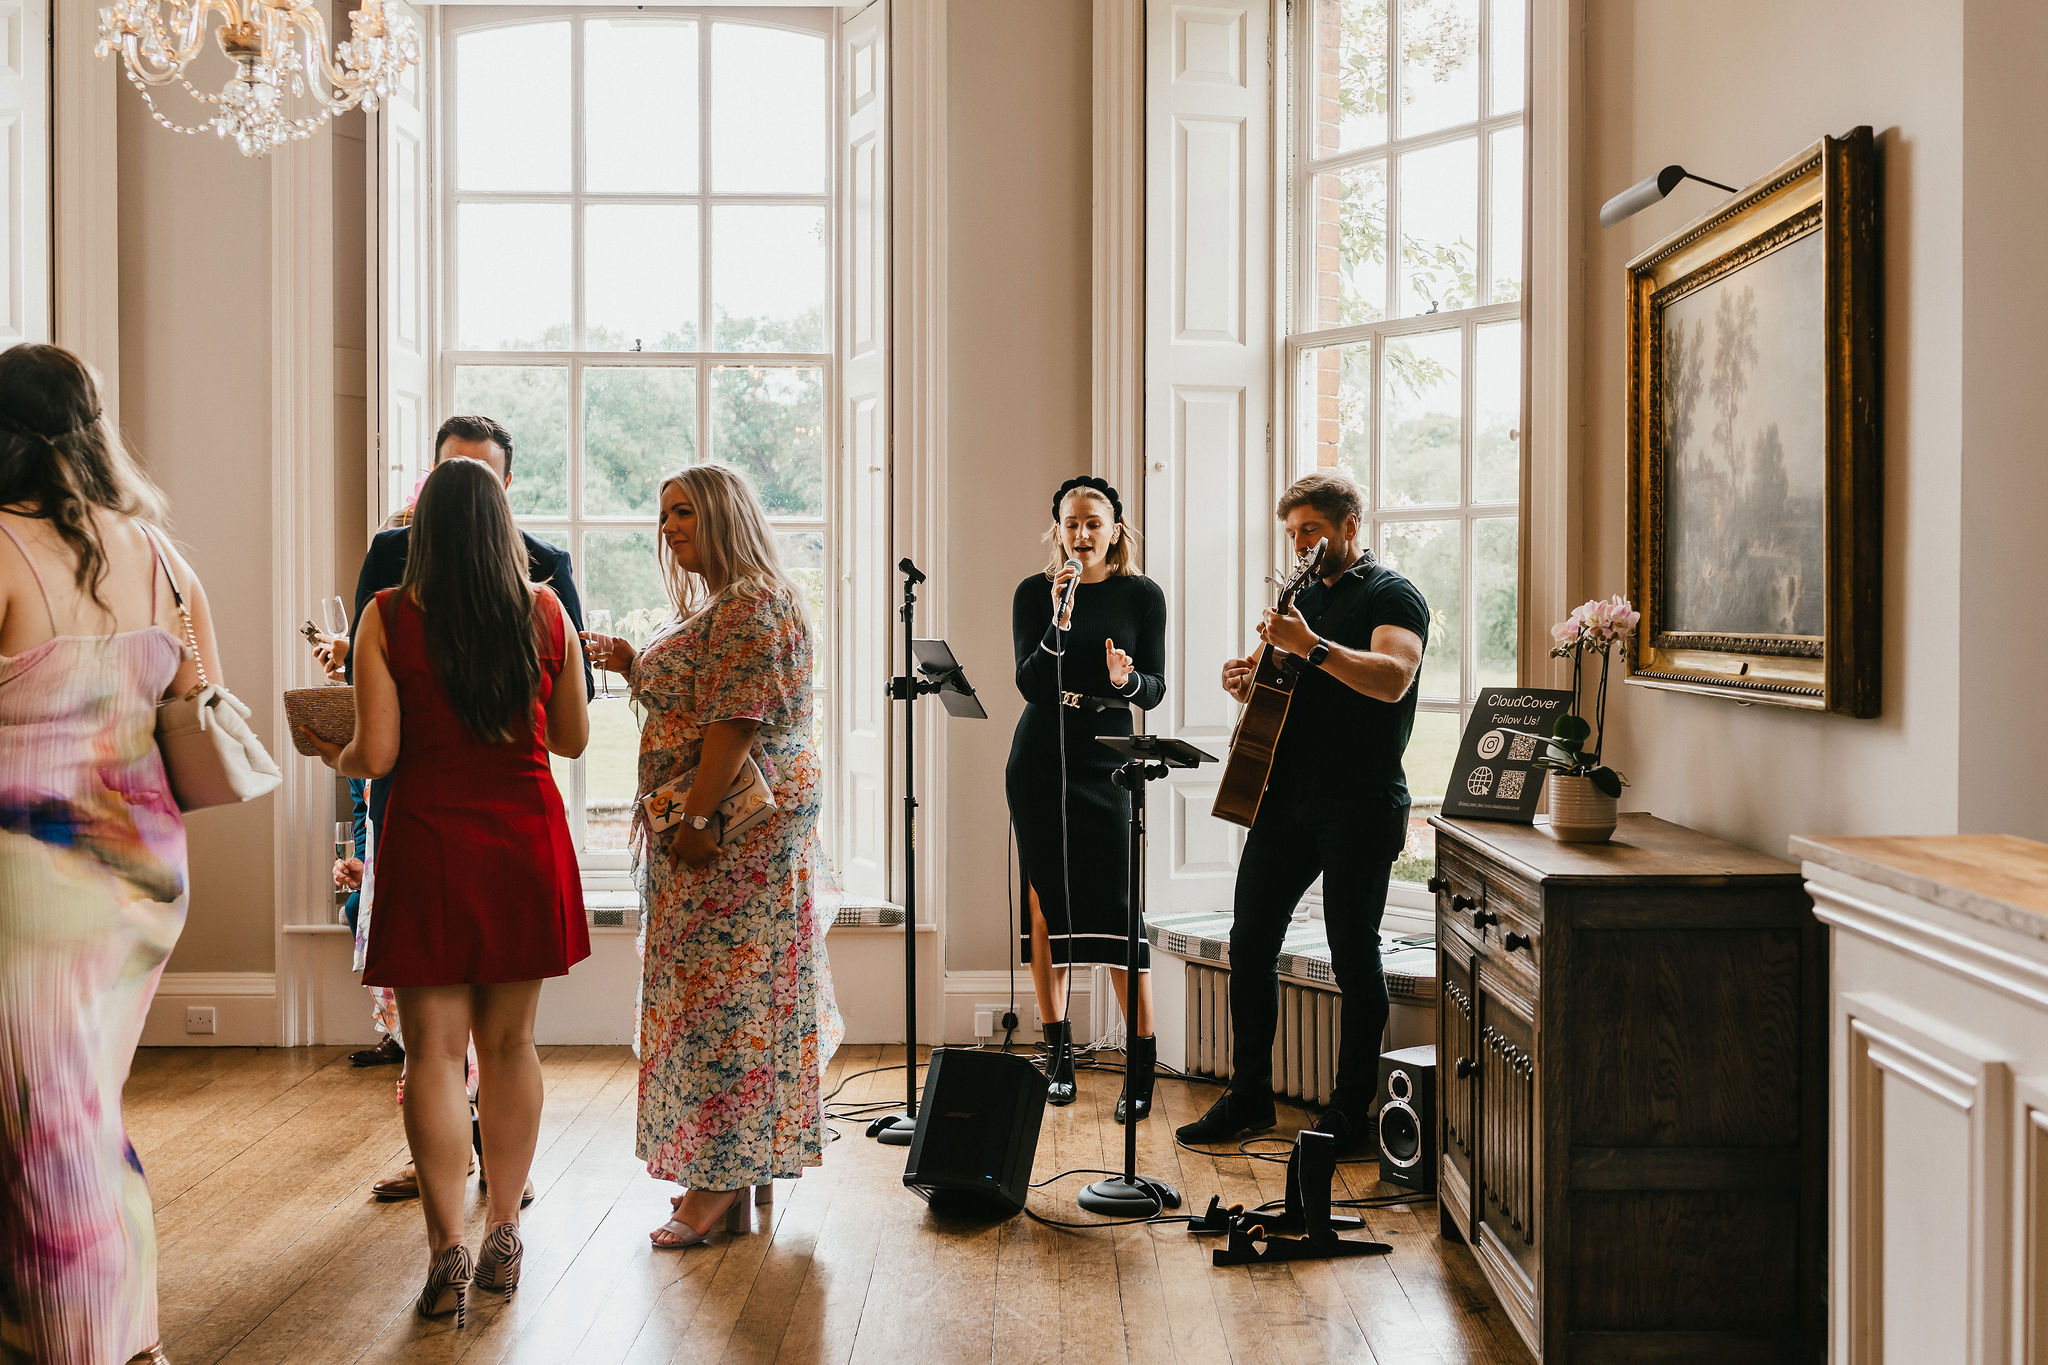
x,y
736,1019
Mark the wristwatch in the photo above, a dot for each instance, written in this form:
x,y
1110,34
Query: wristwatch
x,y
697,821
1317,652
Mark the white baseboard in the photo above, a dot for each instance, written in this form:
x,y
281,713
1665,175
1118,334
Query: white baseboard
x,y
244,1010
1090,997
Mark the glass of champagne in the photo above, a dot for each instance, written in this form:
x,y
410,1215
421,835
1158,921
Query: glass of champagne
x,y
601,624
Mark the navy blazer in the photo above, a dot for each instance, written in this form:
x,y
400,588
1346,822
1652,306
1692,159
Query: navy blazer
x,y
384,567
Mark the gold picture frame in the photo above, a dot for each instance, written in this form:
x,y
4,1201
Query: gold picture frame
x,y
1754,456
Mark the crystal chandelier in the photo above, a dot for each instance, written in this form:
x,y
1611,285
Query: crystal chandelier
x,y
275,45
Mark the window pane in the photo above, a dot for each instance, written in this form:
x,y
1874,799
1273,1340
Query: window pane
x,y
1420,449
611,772
621,575
770,421
1497,414
1351,75
1439,64
1335,404
1505,208
1494,573
512,108
532,401
1439,212
803,554
767,110
640,277
640,105
512,277
638,425
1432,748
1351,246
1428,554
768,277
1506,55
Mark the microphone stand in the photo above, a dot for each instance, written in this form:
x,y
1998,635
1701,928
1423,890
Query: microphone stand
x,y
944,675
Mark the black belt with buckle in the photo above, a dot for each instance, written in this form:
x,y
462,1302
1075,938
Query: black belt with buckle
x,y
1082,701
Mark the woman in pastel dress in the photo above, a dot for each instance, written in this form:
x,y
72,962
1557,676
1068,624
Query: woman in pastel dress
x,y
736,1019
92,859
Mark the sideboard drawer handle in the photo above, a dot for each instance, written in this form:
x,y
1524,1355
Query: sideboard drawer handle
x,y
1462,903
1515,940
1467,1068
1482,918
1439,885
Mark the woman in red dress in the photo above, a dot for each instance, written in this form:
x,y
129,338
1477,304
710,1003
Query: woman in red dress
x,y
478,893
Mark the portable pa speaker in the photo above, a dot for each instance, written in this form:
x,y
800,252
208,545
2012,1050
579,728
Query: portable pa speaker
x,y
1407,1127
977,1128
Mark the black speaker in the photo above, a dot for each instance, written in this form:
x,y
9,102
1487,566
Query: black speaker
x,y
1407,1127
977,1128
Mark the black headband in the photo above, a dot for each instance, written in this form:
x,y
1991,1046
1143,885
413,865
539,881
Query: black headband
x,y
1089,483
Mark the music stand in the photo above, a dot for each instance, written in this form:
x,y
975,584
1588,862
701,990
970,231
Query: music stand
x,y
1131,1195
942,674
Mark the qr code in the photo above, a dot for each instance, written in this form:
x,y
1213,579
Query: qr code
x,y
1511,784
1522,748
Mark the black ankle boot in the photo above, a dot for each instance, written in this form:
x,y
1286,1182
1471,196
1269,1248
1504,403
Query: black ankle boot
x,y
1059,1063
1139,1060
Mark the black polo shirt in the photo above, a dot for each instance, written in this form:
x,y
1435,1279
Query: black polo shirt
x,y
1338,742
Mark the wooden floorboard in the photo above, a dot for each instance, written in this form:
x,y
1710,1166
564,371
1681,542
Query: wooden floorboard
x,y
273,1249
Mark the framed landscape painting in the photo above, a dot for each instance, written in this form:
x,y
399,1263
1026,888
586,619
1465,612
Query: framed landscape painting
x,y
1754,484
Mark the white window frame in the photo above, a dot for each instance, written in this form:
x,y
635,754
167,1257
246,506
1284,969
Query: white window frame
x,y
608,872
1301,168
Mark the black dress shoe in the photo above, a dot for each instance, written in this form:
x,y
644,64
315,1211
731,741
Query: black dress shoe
x,y
386,1053
1236,1114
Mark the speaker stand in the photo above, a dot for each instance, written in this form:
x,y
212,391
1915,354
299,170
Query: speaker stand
x,y
1129,1196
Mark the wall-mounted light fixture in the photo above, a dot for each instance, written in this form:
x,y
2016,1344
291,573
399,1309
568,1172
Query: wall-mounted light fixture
x,y
1644,193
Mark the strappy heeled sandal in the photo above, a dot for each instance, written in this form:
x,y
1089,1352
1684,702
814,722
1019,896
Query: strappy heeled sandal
x,y
153,1356
447,1287
681,1234
497,1266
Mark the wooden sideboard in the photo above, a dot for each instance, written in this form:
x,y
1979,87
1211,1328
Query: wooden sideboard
x,y
1632,1091
1940,1097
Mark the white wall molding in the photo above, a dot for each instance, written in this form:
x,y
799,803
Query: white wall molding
x,y
244,1006
302,534
918,148
1552,331
1091,1005
25,174
1965,947
1118,365
85,198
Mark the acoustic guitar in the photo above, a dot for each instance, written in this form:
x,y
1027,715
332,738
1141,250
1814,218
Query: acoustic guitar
x,y
1257,737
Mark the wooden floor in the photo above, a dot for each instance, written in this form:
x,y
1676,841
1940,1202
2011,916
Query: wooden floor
x,y
273,1250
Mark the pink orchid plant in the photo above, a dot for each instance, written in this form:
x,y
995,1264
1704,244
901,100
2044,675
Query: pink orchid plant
x,y
1574,745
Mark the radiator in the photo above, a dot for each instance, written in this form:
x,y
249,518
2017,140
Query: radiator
x,y
1304,1045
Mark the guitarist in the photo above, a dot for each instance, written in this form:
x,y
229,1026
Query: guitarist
x,y
1336,805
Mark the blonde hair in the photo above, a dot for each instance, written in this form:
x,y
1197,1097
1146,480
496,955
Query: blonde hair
x,y
1121,557
734,543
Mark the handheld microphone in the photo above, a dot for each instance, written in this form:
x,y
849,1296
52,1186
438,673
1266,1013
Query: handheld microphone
x,y
1067,597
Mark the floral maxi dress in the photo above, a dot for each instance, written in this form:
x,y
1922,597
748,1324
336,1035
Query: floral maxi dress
x,y
736,1019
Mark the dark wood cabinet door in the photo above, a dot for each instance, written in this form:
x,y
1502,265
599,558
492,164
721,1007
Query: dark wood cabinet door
x,y
1506,1191
1457,1063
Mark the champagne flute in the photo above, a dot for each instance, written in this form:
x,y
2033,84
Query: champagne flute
x,y
601,624
334,615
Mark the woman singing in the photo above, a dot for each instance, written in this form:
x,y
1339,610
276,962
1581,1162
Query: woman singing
x,y
1080,677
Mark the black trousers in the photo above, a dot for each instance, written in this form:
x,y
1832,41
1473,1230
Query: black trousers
x,y
1352,846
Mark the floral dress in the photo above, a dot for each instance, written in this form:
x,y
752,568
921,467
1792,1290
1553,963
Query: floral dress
x,y
736,1019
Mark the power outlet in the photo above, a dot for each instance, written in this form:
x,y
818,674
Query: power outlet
x,y
988,1020
199,1019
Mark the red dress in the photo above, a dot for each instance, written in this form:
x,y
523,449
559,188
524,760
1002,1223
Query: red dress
x,y
477,881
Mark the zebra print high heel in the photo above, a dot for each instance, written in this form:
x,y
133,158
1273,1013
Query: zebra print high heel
x,y
447,1287
497,1266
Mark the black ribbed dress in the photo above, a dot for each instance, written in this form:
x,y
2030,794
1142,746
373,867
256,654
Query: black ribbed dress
x,y
1132,611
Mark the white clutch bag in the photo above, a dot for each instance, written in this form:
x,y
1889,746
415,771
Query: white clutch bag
x,y
747,802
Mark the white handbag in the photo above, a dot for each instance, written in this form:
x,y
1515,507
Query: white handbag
x,y
210,753
748,801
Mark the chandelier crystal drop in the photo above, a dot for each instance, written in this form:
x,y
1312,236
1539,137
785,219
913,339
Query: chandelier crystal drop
x,y
277,47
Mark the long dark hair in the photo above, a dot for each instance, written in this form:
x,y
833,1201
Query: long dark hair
x,y
466,568
58,454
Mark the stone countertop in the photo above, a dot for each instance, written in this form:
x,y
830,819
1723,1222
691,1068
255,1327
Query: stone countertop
x,y
2000,879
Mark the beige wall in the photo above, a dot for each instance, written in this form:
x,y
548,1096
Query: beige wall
x,y
1018,315
195,401
1729,90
